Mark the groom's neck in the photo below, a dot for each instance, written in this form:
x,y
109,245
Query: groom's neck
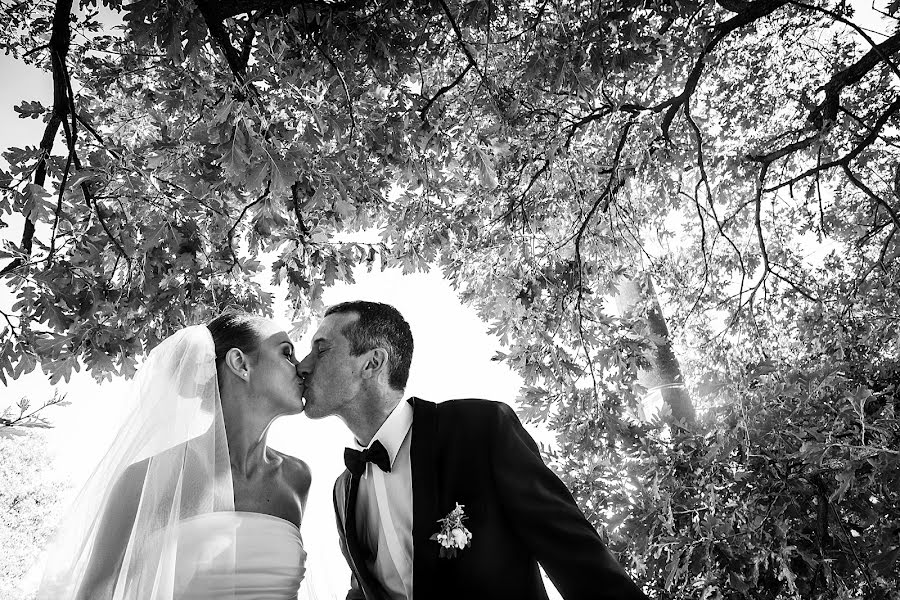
x,y
371,415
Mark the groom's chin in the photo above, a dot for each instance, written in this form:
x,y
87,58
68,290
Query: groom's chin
x,y
309,410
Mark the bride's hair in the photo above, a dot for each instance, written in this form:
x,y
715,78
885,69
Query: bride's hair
x,y
234,330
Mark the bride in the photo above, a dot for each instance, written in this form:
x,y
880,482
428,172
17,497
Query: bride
x,y
189,503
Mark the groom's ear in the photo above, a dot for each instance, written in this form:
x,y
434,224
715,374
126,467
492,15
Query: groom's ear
x,y
236,362
376,363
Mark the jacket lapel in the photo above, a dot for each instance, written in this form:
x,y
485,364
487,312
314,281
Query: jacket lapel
x,y
423,464
348,522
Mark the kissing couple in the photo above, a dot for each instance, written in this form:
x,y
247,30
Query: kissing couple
x,y
448,500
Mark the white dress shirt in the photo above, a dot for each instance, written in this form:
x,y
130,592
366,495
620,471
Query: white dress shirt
x,y
384,511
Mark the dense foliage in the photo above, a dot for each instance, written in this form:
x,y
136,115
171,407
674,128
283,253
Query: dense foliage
x,y
743,155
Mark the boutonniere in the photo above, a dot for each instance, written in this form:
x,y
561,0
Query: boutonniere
x,y
453,535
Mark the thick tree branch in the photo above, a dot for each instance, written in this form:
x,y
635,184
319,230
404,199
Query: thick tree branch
x,y
751,11
247,43
826,111
596,115
785,150
218,32
60,38
845,160
859,30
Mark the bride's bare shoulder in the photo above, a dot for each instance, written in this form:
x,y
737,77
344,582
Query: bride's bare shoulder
x,y
295,471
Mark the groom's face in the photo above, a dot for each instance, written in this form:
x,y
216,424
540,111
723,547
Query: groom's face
x,y
332,374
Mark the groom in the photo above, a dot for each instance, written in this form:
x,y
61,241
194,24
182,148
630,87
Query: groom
x,y
415,461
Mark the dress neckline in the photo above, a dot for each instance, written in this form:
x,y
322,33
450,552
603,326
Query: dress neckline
x,y
245,513
266,515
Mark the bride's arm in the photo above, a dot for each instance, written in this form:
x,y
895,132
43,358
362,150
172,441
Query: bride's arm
x,y
113,532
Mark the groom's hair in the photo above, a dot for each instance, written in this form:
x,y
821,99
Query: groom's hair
x,y
379,326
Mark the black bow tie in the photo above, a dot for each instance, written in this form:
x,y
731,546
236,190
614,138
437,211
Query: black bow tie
x,y
356,460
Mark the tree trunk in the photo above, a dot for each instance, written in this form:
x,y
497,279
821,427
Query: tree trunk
x,y
638,297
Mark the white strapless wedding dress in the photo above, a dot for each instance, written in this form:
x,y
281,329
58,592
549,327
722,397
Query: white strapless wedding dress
x,y
266,553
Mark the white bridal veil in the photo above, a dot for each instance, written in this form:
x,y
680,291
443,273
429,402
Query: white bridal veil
x,y
169,462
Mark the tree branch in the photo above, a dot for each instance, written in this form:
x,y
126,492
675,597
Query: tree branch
x,y
461,42
845,160
247,43
224,9
612,185
872,195
751,11
757,223
60,38
216,26
295,193
424,112
826,111
784,151
841,19
340,75
234,257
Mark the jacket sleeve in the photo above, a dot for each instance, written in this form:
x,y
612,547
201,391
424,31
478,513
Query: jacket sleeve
x,y
545,516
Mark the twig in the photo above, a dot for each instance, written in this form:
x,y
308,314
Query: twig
x,y
859,563
340,75
12,328
521,201
26,419
234,257
604,198
36,49
872,195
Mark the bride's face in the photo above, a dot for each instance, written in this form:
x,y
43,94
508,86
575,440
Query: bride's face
x,y
273,374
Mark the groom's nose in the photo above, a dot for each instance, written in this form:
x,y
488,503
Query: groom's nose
x,y
304,367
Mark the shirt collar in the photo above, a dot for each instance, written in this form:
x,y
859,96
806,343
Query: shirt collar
x,y
393,431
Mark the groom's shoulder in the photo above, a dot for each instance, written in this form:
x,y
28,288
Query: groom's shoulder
x,y
475,408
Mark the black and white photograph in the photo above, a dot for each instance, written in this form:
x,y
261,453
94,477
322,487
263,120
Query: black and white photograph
x,y
450,300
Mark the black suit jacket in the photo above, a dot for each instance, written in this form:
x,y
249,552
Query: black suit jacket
x,y
476,453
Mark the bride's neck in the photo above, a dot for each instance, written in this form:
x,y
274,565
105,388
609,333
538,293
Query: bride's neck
x,y
246,434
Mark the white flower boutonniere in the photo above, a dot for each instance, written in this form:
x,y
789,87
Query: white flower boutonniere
x,y
453,535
